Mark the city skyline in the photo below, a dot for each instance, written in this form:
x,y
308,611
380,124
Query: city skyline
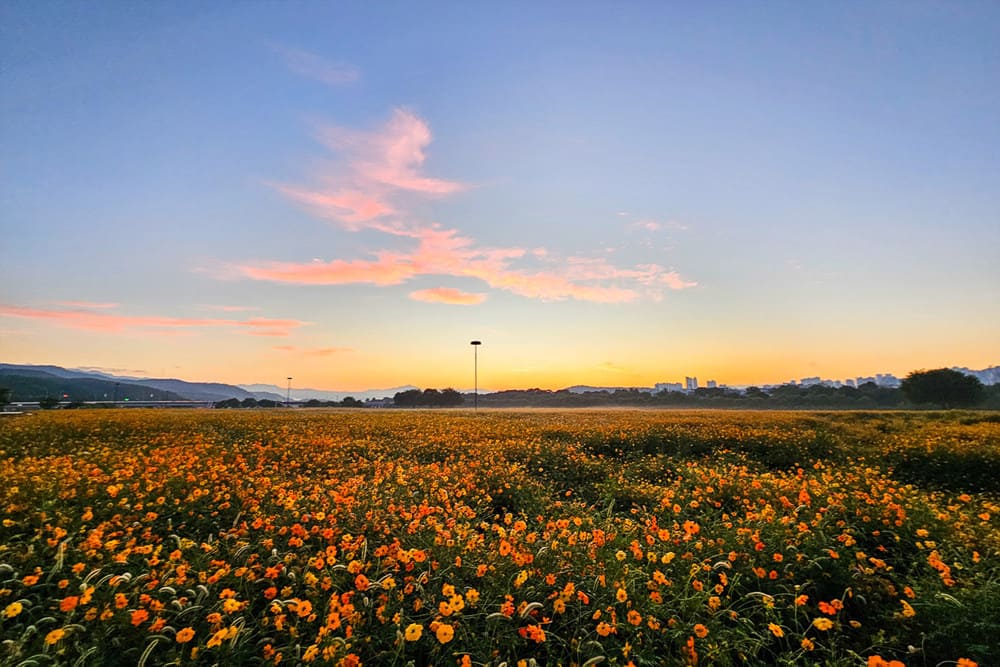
x,y
348,194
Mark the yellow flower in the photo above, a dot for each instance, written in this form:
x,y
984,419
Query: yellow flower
x,y
908,611
822,623
54,636
621,595
13,609
413,632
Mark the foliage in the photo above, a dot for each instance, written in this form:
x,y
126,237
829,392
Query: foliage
x,y
48,403
944,387
428,398
416,537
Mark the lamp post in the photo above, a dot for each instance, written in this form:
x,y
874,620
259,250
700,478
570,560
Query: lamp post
x,y
475,373
288,393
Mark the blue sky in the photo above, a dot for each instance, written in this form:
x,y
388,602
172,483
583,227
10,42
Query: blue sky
x,y
604,193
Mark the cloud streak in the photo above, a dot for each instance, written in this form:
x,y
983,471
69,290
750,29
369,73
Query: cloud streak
x,y
91,320
445,252
366,189
448,295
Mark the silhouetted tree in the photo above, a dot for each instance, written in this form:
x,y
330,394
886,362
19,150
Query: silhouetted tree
x,y
5,395
944,387
407,399
451,398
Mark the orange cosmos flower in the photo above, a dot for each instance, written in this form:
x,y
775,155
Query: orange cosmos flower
x,y
54,636
185,635
444,633
701,631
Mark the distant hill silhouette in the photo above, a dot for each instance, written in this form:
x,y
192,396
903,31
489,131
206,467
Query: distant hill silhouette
x,y
33,385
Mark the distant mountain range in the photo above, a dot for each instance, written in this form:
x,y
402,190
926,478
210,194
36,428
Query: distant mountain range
x,y
33,382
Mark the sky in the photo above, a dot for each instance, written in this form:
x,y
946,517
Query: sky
x,y
612,194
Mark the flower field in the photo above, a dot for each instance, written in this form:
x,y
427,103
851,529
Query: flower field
x,y
452,538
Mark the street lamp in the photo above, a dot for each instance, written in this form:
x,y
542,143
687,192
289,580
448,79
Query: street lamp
x,y
288,393
475,370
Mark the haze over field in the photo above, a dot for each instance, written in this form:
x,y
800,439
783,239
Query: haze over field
x,y
604,194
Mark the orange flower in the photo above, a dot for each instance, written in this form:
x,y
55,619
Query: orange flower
x,y
54,636
444,633
634,617
604,629
822,624
413,632
185,635
701,631
139,617
775,629
69,603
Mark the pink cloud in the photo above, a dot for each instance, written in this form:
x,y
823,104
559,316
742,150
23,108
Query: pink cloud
x,y
391,156
445,252
360,192
447,295
316,67
114,323
349,206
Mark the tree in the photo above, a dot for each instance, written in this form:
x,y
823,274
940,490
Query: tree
x,y
407,399
48,403
944,387
5,395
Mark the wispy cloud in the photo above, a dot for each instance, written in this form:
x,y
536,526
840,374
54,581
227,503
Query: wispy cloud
x,y
366,189
313,66
93,320
445,252
392,155
448,295
650,225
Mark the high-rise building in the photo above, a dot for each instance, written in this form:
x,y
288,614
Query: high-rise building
x,y
668,386
690,383
711,384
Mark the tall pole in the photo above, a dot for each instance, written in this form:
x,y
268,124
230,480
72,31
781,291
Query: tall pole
x,y
475,373
288,393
